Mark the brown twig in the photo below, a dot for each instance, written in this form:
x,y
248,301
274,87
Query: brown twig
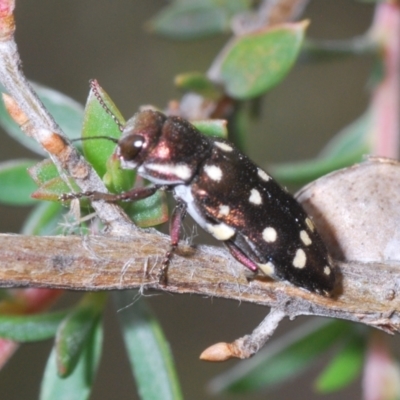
x,y
368,293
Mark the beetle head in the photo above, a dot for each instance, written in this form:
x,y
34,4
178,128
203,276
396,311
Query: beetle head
x,y
140,135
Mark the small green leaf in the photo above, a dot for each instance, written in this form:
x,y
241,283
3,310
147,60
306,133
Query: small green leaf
x,y
98,123
346,148
54,188
189,20
43,171
282,359
66,111
100,152
252,64
117,179
43,220
76,386
212,127
148,350
345,367
151,211
30,328
352,139
199,83
302,172
15,183
74,331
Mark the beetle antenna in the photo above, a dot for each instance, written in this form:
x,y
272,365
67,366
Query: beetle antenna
x,y
94,86
96,137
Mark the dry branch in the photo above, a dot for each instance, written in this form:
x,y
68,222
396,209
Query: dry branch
x,y
367,293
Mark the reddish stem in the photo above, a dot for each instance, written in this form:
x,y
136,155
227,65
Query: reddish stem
x,y
381,374
385,104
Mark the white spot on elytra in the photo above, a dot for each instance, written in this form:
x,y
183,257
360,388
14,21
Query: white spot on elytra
x,y
223,146
255,197
214,172
327,271
305,238
181,171
300,259
263,175
310,224
220,231
269,234
224,210
268,268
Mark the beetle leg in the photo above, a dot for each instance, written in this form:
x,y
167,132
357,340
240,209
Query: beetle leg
x,y
131,195
238,255
177,217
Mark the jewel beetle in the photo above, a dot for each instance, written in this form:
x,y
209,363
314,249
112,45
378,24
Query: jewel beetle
x,y
227,194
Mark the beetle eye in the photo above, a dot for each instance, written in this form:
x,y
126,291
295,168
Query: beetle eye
x,y
130,146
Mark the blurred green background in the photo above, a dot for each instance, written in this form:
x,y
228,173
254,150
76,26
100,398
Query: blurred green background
x,y
63,44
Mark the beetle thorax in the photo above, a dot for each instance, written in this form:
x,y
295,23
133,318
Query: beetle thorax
x,y
164,151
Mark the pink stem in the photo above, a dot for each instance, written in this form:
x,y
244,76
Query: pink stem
x,y
381,373
381,376
385,103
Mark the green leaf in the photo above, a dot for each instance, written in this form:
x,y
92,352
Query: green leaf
x,y
78,385
98,122
50,183
52,189
282,359
116,179
15,183
346,148
252,64
30,328
43,220
74,331
195,19
302,172
212,127
151,211
353,139
43,171
148,350
345,367
189,20
66,111
199,83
